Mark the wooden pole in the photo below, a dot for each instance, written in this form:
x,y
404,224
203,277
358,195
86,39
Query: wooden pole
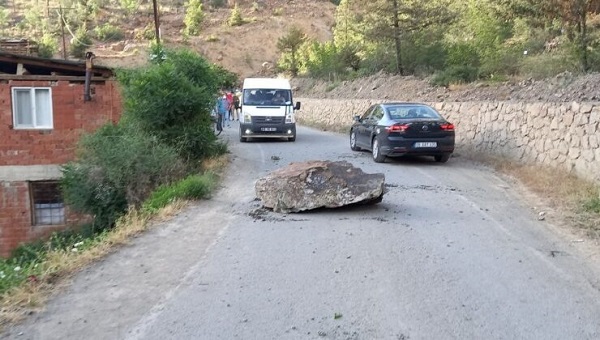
x,y
62,30
156,23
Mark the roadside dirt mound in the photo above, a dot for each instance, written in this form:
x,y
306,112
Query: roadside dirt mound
x,y
564,87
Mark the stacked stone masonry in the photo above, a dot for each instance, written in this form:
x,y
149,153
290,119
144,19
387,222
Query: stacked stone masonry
x,y
561,135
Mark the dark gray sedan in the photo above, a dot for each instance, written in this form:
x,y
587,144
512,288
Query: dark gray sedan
x,y
398,129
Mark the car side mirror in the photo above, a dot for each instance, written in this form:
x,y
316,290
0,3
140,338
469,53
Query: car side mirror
x,y
297,107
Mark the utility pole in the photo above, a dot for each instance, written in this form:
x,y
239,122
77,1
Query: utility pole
x,y
156,23
62,31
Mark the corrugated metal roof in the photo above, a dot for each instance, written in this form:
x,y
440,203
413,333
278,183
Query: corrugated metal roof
x,y
43,66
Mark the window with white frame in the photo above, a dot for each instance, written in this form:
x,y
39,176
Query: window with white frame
x,y
47,202
32,107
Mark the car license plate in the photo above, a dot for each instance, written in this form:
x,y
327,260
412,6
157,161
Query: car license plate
x,y
268,129
426,145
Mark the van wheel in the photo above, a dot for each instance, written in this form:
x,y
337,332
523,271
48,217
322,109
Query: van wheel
x,y
292,139
242,139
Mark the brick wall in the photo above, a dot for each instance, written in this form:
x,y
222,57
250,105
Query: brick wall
x,y
16,218
71,117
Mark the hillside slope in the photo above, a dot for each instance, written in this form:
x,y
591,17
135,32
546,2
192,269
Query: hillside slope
x,y
564,87
249,49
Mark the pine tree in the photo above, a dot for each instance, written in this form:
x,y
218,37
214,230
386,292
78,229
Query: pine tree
x,y
235,19
194,15
290,43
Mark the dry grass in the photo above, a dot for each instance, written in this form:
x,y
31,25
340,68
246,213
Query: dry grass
x,y
563,192
215,165
60,266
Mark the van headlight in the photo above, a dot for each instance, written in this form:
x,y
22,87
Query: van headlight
x,y
289,119
247,118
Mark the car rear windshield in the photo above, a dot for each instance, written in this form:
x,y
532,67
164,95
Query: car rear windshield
x,y
412,111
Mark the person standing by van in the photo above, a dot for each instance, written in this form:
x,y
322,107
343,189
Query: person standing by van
x,y
237,101
229,96
222,111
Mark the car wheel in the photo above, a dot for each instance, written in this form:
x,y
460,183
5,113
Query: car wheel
x,y
442,158
353,141
377,155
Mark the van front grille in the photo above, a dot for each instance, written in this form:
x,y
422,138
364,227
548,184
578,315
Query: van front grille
x,y
265,120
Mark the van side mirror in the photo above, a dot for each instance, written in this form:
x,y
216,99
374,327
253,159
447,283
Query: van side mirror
x,y
357,118
297,107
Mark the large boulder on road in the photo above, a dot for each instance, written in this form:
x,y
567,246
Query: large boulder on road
x,y
318,184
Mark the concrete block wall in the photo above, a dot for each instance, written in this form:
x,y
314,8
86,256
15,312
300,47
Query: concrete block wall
x,y
559,135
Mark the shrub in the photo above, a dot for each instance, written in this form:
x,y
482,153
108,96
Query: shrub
x,y
129,6
108,32
80,43
172,101
193,17
322,60
47,46
504,61
13,272
547,65
235,19
456,75
380,58
218,3
147,33
211,38
592,205
192,187
117,166
462,54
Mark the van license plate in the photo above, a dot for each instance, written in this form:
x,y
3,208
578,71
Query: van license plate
x,y
268,129
426,145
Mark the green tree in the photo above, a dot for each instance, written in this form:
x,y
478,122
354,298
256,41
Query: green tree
x,y
348,30
3,19
172,100
165,129
80,43
235,19
194,15
392,20
47,46
290,43
574,14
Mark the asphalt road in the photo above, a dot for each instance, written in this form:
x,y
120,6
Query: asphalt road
x,y
452,252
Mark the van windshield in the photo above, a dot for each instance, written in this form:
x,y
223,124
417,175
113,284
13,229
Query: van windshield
x,y
267,97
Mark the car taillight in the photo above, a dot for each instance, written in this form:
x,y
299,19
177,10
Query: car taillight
x,y
447,127
397,128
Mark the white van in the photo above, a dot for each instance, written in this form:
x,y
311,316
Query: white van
x,y
267,109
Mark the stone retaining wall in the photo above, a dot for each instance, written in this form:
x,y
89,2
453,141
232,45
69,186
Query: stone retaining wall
x,y
561,135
